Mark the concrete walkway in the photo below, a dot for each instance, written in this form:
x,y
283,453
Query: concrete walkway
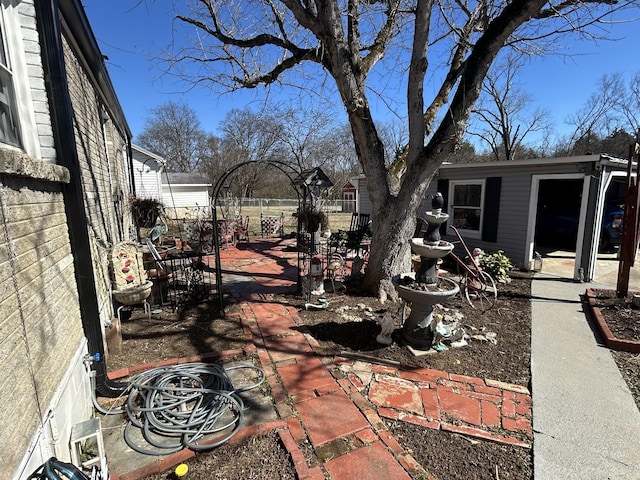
x,y
586,424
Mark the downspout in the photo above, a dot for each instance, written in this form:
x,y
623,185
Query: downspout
x,y
64,139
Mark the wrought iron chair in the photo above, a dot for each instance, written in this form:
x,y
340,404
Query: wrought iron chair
x,y
243,229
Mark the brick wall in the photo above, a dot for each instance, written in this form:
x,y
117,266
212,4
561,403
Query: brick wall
x,y
104,178
40,325
44,389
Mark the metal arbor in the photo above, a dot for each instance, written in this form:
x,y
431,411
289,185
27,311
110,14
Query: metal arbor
x,y
308,184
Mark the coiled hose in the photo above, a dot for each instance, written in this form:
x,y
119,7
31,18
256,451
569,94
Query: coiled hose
x,y
185,403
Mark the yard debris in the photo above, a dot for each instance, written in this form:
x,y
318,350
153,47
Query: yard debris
x,y
322,304
387,323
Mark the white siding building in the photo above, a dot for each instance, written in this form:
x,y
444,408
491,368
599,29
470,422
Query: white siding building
x,y
181,191
147,173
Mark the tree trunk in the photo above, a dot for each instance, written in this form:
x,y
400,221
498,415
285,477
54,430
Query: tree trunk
x,y
393,216
390,253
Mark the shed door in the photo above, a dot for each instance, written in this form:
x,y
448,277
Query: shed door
x,y
558,214
557,210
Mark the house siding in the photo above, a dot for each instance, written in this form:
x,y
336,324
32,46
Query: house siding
x,y
181,196
103,178
514,202
148,184
35,87
363,200
45,389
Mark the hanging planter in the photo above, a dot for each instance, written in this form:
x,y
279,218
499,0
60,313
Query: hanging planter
x,y
145,211
312,220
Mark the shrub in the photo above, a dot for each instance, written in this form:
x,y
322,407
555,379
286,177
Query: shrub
x,y
496,264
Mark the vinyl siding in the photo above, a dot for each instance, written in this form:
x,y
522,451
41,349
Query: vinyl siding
x,y
147,175
179,196
514,202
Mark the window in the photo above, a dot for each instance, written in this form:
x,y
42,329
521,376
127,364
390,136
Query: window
x,y
467,199
9,126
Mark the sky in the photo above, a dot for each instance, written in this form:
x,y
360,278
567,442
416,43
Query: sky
x,y
129,32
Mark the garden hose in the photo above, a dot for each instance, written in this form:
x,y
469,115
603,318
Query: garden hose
x,y
174,407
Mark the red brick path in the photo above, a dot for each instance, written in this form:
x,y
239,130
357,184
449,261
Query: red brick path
x,y
346,399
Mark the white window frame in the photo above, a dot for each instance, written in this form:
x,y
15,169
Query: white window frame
x,y
450,207
21,82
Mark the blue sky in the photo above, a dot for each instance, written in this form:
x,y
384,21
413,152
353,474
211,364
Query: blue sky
x,y
128,34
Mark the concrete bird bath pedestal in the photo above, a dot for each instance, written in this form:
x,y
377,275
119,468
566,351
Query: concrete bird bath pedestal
x,y
425,288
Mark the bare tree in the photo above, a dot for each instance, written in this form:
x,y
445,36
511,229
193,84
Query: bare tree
x,y
598,116
609,119
344,163
249,43
629,104
247,136
173,131
304,134
503,117
212,164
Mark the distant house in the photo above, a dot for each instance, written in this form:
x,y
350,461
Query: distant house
x,y
65,183
147,169
506,205
181,191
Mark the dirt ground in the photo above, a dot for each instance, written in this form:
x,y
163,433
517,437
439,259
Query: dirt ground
x,y
498,348
623,319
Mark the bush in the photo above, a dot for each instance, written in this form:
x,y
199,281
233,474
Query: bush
x,y
496,264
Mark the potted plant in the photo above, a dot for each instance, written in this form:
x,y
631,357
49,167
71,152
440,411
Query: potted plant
x,y
145,211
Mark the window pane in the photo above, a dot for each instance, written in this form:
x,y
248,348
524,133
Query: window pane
x,y
8,126
3,57
466,218
467,195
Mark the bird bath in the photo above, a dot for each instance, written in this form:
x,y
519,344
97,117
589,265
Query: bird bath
x,y
418,330
133,295
425,288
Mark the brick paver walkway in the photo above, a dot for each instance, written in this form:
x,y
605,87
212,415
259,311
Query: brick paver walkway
x,y
343,401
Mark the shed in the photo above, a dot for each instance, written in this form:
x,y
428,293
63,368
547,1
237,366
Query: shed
x,y
147,168
185,190
506,205
362,199
349,192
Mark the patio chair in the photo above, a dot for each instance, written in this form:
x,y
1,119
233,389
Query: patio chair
x,y
243,229
358,229
226,233
272,226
